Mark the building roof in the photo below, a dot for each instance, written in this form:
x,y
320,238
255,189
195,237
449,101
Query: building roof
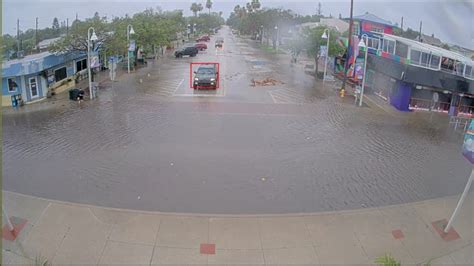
x,y
425,47
338,24
431,40
373,18
46,43
35,63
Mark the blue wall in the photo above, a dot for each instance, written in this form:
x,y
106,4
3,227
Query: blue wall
x,y
5,86
400,96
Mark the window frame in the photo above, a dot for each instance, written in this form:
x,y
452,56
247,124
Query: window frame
x,y
8,84
388,41
60,68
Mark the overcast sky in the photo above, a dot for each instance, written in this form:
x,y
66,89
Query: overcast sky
x,y
450,20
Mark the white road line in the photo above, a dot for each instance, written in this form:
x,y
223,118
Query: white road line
x,y
198,95
285,98
271,95
289,94
179,85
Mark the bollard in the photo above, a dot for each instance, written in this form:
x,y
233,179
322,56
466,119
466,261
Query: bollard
x,y
9,223
342,93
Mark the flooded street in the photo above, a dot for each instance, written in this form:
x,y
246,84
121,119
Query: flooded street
x,y
150,142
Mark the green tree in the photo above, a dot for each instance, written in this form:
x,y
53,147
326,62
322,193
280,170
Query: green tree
x,y
55,26
76,40
255,4
196,8
313,41
209,5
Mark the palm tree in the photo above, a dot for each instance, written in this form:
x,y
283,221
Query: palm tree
x,y
200,7
255,4
195,8
249,7
209,5
237,9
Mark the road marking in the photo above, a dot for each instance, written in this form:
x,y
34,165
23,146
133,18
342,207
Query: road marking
x,y
198,95
287,96
179,85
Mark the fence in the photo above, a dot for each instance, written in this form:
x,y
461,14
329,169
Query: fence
x,y
427,105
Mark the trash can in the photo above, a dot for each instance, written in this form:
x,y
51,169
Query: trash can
x,y
74,94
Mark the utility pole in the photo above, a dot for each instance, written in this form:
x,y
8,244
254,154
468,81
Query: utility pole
x,y
419,35
67,26
401,25
36,35
18,36
351,23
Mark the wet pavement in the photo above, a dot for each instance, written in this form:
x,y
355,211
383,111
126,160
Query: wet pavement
x,y
150,142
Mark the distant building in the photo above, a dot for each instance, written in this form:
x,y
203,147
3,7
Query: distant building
x,y
371,25
338,24
334,23
44,45
432,40
33,76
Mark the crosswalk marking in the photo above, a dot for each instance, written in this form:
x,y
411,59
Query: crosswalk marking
x,y
287,96
165,88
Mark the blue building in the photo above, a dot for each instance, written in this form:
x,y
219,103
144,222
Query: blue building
x,y
34,76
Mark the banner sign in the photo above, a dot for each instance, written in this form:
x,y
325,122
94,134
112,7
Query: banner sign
x,y
95,60
323,50
131,46
468,146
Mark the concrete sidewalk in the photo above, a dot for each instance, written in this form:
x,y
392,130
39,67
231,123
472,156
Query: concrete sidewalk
x,y
67,233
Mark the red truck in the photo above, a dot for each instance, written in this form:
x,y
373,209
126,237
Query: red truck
x,y
204,38
201,46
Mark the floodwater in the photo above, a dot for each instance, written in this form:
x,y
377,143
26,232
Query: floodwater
x,y
149,142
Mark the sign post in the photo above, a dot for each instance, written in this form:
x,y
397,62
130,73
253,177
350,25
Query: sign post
x,y
468,152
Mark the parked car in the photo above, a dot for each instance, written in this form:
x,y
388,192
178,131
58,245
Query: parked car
x,y
201,46
219,42
204,38
191,51
206,77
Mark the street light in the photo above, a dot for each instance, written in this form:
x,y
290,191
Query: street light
x,y
90,37
326,36
276,41
129,31
363,44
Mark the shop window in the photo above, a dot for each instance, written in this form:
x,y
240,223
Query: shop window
x,y
373,43
60,74
469,72
389,46
402,49
434,63
377,29
355,29
415,57
12,86
447,64
425,59
81,65
459,68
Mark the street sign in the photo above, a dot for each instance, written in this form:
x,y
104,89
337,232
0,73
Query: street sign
x,y
468,145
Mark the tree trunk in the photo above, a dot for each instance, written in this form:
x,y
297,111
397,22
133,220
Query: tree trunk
x,y
316,67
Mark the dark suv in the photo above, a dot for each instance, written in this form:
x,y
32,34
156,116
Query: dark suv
x,y
206,77
191,51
